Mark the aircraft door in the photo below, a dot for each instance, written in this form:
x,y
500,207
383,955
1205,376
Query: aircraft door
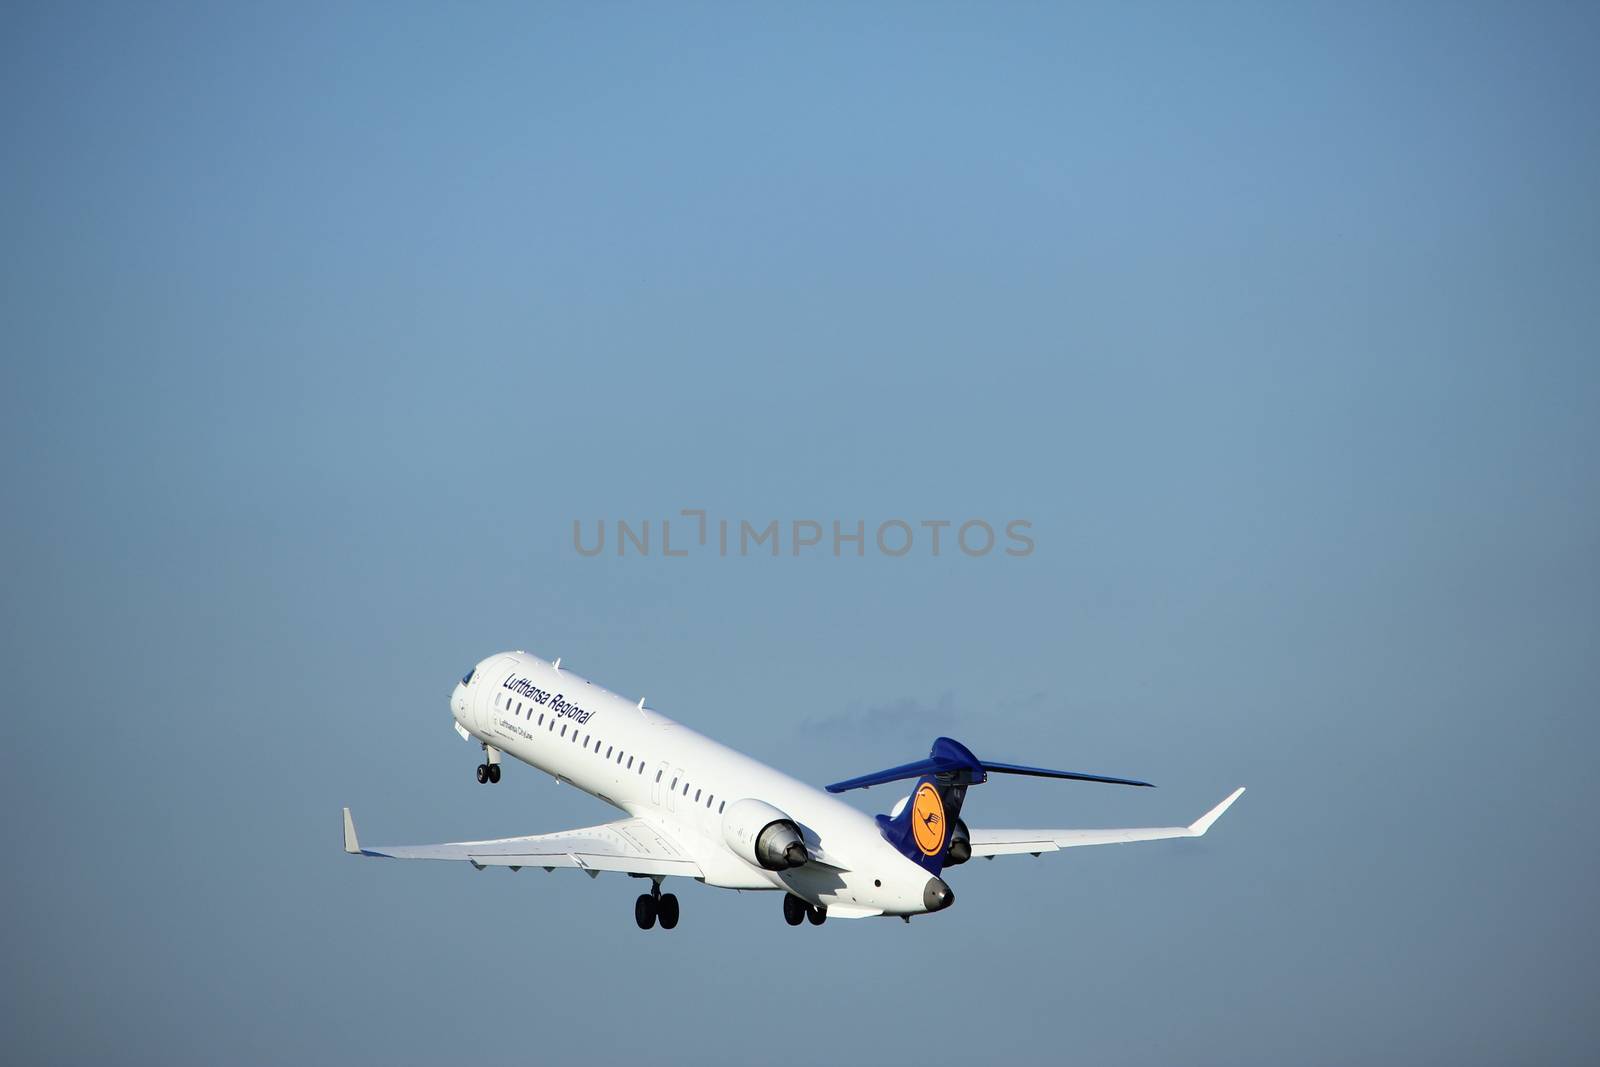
x,y
673,792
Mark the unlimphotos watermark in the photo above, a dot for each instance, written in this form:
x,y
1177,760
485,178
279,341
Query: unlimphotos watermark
x,y
699,534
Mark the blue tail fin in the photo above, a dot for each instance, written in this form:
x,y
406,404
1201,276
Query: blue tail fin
x,y
922,829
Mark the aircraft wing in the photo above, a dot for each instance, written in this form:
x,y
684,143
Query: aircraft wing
x,y
993,843
631,846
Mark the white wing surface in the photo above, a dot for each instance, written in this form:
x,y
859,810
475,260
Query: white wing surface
x,y
1013,842
631,846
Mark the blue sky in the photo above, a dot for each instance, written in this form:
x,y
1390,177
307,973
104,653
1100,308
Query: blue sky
x,y
322,325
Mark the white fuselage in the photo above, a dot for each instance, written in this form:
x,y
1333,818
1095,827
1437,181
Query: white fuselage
x,y
667,774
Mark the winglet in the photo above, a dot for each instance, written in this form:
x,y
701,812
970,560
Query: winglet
x,y
351,845
1203,823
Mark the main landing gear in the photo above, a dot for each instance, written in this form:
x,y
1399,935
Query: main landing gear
x,y
797,911
656,905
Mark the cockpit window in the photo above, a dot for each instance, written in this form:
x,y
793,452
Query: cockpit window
x,y
466,679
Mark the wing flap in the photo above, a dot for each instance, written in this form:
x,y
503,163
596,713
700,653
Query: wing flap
x,y
630,846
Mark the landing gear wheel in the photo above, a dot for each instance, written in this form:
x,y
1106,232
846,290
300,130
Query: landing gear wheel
x,y
483,773
667,910
644,911
494,773
818,916
794,910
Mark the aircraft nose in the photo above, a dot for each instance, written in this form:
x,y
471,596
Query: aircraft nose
x,y
936,895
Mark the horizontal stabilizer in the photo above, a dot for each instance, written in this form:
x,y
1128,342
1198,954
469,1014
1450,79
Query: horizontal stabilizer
x,y
949,756
1045,772
893,774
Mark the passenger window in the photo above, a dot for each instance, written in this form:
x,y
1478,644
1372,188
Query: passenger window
x,y
721,806
674,784
685,788
709,799
563,731
658,776
585,740
630,763
608,755
541,718
697,796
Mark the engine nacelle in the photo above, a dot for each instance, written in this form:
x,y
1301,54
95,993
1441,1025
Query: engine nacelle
x,y
763,835
960,850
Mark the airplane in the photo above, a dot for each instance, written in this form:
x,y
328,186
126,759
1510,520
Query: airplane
x,y
698,809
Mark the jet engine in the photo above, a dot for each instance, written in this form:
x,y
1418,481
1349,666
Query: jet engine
x,y
763,835
960,850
